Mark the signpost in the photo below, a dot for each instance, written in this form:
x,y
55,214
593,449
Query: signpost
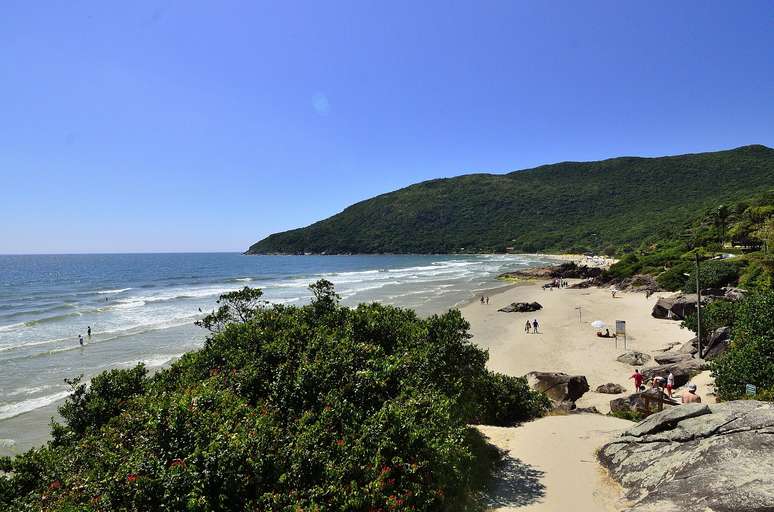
x,y
620,330
750,390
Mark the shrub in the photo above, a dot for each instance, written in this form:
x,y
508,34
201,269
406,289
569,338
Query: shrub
x,y
318,407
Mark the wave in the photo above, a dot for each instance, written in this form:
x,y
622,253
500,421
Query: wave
x,y
118,290
15,409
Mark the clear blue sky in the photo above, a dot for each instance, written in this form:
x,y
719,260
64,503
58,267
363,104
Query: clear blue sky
x,y
194,126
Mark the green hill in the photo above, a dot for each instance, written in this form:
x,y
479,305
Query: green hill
x,y
568,206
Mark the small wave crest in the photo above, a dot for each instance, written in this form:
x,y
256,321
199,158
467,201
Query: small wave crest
x,y
15,409
118,290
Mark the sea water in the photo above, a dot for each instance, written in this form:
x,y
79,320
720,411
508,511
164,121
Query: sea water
x,y
142,307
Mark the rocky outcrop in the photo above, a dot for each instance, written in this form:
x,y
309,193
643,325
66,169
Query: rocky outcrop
x,y
610,388
633,358
672,358
682,370
717,343
718,457
521,307
642,402
559,387
675,307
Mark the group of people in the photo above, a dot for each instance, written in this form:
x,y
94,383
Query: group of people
x,y
484,300
532,327
88,334
688,396
556,283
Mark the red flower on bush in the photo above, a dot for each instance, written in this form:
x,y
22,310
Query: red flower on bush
x,y
56,484
340,442
177,463
131,478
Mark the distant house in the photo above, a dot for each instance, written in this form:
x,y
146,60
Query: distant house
x,y
746,244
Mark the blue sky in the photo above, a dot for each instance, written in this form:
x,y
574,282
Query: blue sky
x,y
195,126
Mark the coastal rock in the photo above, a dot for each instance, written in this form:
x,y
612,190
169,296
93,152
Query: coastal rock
x,y
559,387
633,358
682,370
610,388
716,457
675,307
636,402
717,343
521,307
671,358
689,347
528,273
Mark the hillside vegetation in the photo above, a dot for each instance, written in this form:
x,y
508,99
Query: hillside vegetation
x,y
571,206
318,407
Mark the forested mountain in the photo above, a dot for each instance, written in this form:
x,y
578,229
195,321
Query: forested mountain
x,y
569,206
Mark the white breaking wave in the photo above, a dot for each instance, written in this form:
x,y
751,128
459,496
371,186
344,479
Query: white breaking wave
x,y
11,410
119,290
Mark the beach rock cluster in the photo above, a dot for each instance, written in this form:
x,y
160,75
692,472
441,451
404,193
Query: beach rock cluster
x,y
521,307
633,358
717,457
675,307
610,388
717,343
562,389
682,370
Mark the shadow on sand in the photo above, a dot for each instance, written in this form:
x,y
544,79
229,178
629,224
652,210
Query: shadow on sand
x,y
515,484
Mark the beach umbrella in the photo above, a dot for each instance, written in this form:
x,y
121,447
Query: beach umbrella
x,y
598,324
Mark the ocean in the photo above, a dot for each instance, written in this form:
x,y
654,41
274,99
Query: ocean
x,y
141,308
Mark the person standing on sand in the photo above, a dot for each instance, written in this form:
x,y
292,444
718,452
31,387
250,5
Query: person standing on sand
x,y
637,376
487,301
690,396
535,326
482,299
527,327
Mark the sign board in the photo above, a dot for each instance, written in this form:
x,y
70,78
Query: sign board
x,y
620,327
750,390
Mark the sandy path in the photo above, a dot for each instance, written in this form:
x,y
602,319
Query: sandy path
x,y
551,465
566,344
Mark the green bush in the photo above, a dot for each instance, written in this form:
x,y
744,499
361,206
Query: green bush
x,y
750,358
714,274
318,407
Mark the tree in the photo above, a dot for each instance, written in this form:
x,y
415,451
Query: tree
x,y
237,306
721,221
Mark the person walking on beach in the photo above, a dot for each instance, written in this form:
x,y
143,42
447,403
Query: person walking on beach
x,y
535,326
637,376
482,299
690,396
88,332
487,300
80,339
527,327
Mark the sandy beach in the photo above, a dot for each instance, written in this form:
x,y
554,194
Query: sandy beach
x,y
551,461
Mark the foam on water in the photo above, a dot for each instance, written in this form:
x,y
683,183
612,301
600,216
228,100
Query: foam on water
x,y
15,409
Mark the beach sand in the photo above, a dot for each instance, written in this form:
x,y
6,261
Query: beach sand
x,y
551,463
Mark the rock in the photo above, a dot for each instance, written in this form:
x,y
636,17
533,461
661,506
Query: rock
x,y
675,307
634,402
559,387
716,457
717,343
610,388
585,410
689,347
672,358
633,358
682,370
521,307
666,419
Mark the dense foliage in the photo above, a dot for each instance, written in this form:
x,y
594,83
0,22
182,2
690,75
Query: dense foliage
x,y
738,231
750,356
318,407
570,206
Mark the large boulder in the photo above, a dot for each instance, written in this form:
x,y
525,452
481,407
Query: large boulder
x,y
633,358
675,307
689,347
697,457
672,357
521,307
640,402
610,388
559,387
682,370
717,343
